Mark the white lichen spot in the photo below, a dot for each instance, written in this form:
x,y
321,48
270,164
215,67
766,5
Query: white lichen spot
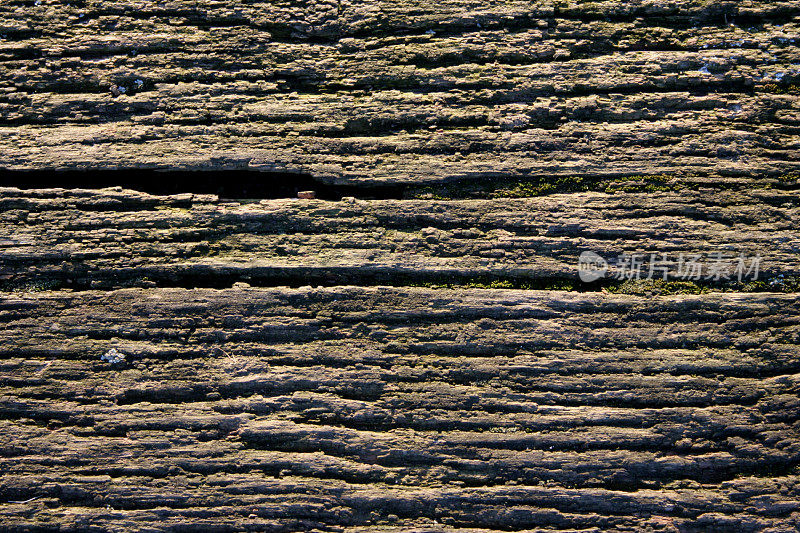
x,y
514,122
113,356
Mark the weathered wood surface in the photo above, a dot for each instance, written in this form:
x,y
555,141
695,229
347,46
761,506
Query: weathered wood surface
x,y
398,91
116,239
332,394
347,408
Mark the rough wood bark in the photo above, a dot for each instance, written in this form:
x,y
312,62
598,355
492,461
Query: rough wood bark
x,y
120,239
300,409
334,395
363,91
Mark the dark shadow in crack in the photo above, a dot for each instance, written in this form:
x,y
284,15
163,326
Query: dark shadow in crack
x,y
228,184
